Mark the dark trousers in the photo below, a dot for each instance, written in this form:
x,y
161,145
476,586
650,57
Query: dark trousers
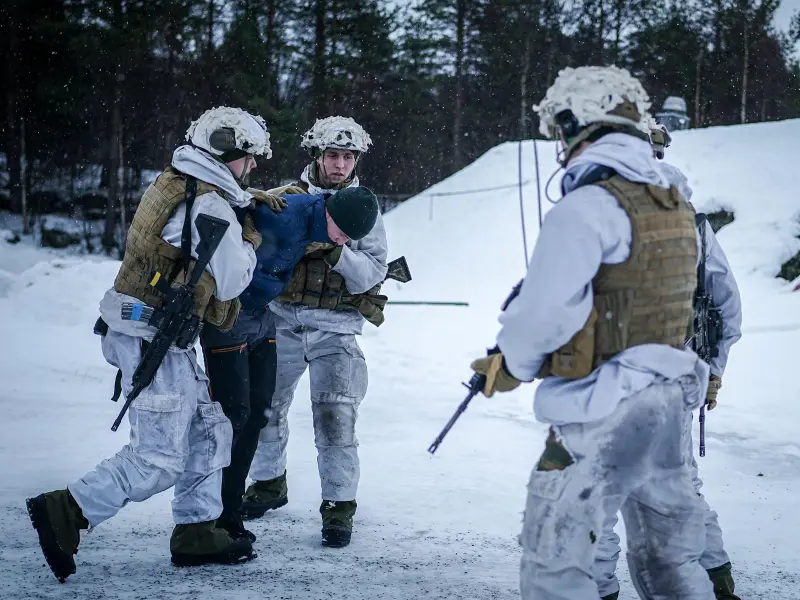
x,y
241,365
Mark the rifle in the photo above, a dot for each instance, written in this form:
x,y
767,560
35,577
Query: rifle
x,y
476,383
707,321
398,270
175,322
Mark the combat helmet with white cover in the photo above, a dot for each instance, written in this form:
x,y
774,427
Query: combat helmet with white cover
x,y
342,133
229,134
585,103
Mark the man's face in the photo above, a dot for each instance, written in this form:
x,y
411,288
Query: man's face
x,y
242,167
337,235
337,165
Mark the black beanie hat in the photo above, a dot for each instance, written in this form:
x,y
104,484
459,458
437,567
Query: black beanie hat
x,y
354,210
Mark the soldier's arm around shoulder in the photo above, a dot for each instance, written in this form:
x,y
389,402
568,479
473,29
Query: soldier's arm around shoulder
x,y
234,261
721,283
287,190
362,262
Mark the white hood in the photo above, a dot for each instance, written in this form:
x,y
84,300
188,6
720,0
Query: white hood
x,y
629,156
201,165
675,177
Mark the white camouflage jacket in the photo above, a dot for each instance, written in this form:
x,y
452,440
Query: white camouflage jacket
x,y
719,280
585,229
234,260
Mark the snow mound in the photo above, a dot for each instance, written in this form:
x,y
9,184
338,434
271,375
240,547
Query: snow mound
x,y
57,292
463,236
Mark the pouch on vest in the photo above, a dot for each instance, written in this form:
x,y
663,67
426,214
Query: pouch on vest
x,y
575,359
371,306
315,282
316,285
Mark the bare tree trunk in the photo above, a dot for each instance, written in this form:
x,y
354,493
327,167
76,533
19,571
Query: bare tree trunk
x,y
601,28
23,178
123,216
620,6
210,24
318,82
763,109
745,66
114,141
461,17
12,102
697,83
523,87
272,50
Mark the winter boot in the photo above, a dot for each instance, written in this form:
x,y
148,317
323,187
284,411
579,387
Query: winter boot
x,y
722,579
613,596
197,544
232,523
58,521
337,522
262,496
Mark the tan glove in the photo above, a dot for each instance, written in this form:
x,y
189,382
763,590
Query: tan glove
x,y
497,378
714,383
276,203
249,231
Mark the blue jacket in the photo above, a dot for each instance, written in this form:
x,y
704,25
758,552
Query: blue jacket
x,y
285,237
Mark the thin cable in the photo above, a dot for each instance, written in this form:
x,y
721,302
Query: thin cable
x,y
547,186
521,204
538,184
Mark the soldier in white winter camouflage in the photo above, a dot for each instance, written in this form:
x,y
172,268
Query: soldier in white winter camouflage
x,y
601,318
333,292
719,280
179,437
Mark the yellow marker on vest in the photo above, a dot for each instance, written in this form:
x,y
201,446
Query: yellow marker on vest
x,y
156,277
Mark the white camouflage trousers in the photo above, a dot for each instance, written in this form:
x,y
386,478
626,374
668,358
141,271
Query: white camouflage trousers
x,y
633,460
713,556
338,374
178,437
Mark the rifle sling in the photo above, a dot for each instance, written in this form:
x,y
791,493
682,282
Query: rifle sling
x,y
118,378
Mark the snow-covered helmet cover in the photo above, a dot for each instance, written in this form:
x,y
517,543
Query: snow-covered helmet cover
x,y
250,133
336,132
595,95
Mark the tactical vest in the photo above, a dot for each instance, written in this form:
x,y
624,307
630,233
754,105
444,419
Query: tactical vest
x,y
648,298
316,285
146,254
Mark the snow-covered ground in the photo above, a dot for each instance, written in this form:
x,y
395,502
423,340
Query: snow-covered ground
x,y
427,527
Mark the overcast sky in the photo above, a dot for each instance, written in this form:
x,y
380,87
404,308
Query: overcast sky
x,y
784,13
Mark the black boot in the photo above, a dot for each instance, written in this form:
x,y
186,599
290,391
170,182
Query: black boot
x,y
196,544
232,523
337,522
58,520
722,579
262,496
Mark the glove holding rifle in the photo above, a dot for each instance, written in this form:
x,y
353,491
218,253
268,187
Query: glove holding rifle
x,y
498,379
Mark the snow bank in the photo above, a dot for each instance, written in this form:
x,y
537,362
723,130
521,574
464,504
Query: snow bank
x,y
467,246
